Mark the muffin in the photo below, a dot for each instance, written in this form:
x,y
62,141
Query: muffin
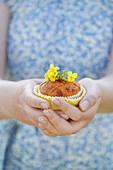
x,y
59,88
60,85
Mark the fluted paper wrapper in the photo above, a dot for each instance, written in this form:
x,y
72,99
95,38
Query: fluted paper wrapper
x,y
74,100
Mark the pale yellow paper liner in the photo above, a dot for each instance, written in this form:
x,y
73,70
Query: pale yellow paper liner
x,y
74,102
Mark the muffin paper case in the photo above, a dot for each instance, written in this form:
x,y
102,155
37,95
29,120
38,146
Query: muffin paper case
x,y
74,100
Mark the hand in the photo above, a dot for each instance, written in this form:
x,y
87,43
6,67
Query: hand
x,y
23,105
80,116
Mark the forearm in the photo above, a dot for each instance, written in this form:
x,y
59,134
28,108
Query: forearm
x,y
4,22
4,85
106,86
6,96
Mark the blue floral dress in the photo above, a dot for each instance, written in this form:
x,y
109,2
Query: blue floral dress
x,y
74,35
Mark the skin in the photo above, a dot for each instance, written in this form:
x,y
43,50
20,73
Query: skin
x,y
4,21
17,100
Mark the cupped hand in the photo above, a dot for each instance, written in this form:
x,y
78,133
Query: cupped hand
x,y
79,116
25,106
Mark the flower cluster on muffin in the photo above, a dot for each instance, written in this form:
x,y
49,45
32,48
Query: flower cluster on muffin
x,y
53,74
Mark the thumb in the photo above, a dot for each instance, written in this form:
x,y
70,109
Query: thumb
x,y
91,96
87,102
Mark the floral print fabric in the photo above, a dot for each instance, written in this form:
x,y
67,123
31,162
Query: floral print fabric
x,y
74,35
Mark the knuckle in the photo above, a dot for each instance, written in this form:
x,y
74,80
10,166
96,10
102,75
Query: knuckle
x,y
86,81
35,124
83,116
75,131
29,100
42,128
55,123
65,108
70,132
21,108
93,99
53,119
33,117
67,134
85,125
48,126
26,98
35,103
46,132
78,117
89,81
20,100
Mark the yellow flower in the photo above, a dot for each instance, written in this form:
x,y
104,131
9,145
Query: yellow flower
x,y
49,71
52,76
46,77
71,77
53,68
52,71
56,73
63,71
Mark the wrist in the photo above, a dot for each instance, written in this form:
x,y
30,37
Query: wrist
x,y
105,85
7,93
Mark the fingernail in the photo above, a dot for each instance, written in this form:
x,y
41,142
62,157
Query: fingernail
x,y
42,121
40,124
44,105
64,116
84,105
56,102
47,113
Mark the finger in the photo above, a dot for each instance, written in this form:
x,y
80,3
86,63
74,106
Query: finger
x,y
47,133
33,82
33,114
45,124
73,112
89,114
36,102
31,123
59,123
77,126
63,115
38,81
88,101
91,96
